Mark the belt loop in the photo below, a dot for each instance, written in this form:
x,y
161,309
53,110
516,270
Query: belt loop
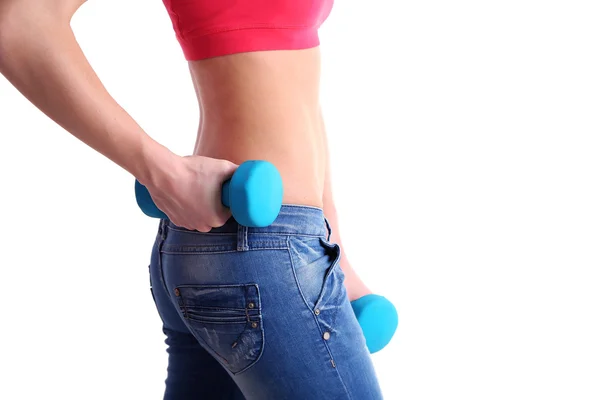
x,y
328,229
242,238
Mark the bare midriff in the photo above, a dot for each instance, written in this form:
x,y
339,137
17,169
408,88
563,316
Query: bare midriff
x,y
265,106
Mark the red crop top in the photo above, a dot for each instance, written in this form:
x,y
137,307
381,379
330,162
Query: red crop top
x,y
210,28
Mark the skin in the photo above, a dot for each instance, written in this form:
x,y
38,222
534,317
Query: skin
x,y
259,105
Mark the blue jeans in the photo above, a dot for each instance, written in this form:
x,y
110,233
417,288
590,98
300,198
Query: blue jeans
x,y
259,313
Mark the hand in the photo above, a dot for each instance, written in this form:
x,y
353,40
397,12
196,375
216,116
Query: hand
x,y
189,191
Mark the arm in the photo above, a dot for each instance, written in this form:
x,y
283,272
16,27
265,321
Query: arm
x,y
40,56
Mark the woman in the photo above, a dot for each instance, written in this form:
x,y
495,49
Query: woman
x,y
255,313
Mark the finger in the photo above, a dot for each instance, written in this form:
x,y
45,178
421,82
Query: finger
x,y
223,215
228,168
203,228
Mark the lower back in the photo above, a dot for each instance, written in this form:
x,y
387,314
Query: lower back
x,y
265,105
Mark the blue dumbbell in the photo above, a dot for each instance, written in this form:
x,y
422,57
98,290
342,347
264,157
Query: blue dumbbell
x,y
254,195
378,319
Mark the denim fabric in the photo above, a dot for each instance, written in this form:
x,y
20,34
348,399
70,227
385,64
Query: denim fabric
x,y
259,313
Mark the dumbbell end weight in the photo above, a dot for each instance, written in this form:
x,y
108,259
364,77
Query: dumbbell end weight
x,y
254,194
378,319
145,202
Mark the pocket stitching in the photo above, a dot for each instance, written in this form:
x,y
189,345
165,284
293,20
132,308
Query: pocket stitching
x,y
258,315
237,319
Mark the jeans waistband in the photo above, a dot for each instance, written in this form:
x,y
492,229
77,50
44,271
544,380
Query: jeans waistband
x,y
292,220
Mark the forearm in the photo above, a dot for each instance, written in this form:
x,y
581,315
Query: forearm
x,y
40,56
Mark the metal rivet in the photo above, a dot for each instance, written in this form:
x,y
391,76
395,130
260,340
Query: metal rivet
x,y
254,325
326,335
317,311
177,292
251,305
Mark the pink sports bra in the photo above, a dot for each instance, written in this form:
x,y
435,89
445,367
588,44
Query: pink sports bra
x,y
210,28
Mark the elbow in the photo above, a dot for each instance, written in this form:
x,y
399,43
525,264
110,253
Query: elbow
x,y
20,22
23,26
21,35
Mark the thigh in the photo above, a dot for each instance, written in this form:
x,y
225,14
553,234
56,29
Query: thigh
x,y
192,373
276,316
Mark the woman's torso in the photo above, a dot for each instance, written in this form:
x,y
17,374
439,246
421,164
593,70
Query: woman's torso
x,y
265,105
256,70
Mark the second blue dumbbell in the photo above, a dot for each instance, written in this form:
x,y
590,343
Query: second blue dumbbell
x,y
254,195
378,319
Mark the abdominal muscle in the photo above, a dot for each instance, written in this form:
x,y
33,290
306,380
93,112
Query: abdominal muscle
x,y
265,106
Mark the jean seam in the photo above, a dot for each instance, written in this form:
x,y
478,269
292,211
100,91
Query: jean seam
x,y
301,206
296,278
175,253
163,236
220,252
316,320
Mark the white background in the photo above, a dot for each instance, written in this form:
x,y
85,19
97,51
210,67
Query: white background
x,y
465,140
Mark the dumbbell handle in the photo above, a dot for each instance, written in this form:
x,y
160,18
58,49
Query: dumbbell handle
x,y
145,201
225,193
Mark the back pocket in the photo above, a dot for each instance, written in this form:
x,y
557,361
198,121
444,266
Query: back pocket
x,y
227,319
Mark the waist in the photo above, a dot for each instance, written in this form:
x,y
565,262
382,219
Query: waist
x,y
299,156
265,106
293,220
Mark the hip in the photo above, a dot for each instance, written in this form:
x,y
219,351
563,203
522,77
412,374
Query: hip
x,y
269,304
292,255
